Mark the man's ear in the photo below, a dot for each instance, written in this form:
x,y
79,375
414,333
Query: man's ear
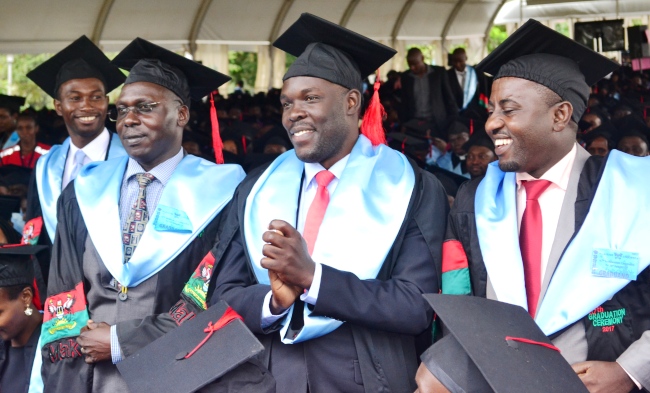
x,y
57,107
562,115
353,102
183,115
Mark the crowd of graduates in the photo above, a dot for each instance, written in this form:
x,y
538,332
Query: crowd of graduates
x,y
617,117
328,308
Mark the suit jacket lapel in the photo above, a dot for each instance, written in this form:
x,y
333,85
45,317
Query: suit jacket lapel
x,y
566,223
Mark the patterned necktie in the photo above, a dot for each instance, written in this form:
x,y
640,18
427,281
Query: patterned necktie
x,y
317,209
530,241
79,158
138,217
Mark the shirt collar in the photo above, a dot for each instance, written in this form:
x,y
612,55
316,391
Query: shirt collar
x,y
312,168
96,149
558,174
161,172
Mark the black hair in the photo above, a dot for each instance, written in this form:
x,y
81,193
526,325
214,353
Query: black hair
x,y
14,291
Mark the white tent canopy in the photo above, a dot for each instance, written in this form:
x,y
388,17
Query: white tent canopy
x,y
208,29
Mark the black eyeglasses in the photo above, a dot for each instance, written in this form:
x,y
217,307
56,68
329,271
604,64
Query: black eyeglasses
x,y
120,112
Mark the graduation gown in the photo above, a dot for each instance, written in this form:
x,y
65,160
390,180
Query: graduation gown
x,y
464,272
375,349
64,368
34,209
29,351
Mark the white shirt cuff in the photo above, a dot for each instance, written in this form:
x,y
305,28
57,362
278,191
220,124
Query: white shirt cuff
x,y
268,318
116,352
311,295
638,385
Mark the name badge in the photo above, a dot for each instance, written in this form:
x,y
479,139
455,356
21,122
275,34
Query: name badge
x,y
614,264
171,220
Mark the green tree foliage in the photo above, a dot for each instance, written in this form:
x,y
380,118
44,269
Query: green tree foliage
x,y
21,85
563,28
243,67
498,34
428,52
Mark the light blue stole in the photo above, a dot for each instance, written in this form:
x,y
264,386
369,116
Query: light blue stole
x,y
361,223
49,177
11,141
470,87
617,220
197,187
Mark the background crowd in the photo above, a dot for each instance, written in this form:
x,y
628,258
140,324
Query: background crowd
x,y
448,138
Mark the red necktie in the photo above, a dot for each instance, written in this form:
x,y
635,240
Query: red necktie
x,y
317,209
530,241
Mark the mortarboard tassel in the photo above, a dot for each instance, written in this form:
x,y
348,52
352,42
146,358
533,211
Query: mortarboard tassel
x,y
471,126
217,144
371,126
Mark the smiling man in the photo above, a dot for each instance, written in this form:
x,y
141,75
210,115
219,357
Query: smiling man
x,y
132,229
78,79
336,240
551,229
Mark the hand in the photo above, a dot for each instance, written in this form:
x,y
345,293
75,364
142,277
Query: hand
x,y
283,295
286,254
440,145
95,342
604,377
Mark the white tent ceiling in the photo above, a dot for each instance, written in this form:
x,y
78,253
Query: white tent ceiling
x,y
36,26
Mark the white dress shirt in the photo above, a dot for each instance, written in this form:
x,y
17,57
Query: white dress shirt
x,y
550,202
95,151
308,193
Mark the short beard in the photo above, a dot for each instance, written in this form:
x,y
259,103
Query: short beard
x,y
509,166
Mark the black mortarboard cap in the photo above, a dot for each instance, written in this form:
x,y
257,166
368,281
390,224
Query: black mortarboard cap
x,y
16,267
161,367
148,62
542,55
13,103
479,138
80,60
418,127
14,174
328,51
480,327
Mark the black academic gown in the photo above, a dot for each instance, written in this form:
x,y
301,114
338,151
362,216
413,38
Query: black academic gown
x,y
29,351
443,102
474,108
72,374
34,203
634,298
375,349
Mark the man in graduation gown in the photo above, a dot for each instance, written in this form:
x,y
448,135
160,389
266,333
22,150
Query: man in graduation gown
x,y
28,150
131,229
550,228
335,240
78,78
470,88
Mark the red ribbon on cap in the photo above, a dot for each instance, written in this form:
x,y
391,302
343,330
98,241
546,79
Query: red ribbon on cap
x,y
227,317
527,341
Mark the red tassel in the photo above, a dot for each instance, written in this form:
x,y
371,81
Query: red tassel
x,y
471,126
217,144
36,300
371,126
244,144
